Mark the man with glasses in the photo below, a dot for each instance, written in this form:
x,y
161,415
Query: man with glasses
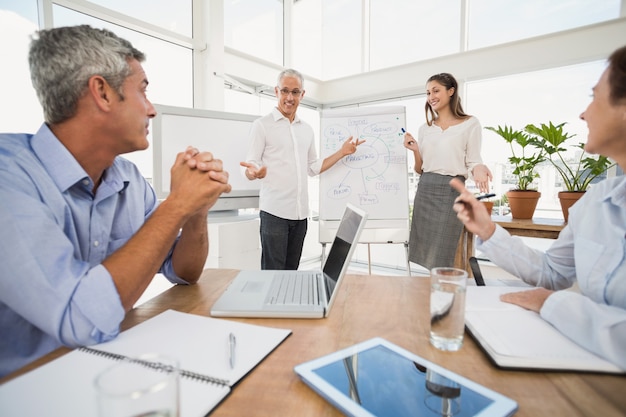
x,y
282,153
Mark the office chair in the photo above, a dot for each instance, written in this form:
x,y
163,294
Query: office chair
x,y
478,276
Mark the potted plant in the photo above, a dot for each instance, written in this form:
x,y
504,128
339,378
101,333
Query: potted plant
x,y
523,199
578,173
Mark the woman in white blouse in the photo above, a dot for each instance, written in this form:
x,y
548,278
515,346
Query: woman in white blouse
x,y
447,146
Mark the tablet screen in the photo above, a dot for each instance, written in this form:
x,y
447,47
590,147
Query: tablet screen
x,y
384,382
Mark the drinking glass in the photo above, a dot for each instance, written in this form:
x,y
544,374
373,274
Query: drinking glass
x,y
147,386
447,307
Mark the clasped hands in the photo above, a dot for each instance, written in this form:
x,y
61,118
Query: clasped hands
x,y
198,178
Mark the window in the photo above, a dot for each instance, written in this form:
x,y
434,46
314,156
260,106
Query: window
x,y
255,27
18,103
557,95
498,21
238,102
327,37
168,14
27,9
168,66
306,34
405,31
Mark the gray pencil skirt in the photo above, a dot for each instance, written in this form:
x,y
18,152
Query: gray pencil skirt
x,y
435,229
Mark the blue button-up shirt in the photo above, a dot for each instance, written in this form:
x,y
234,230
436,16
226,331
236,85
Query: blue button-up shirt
x,y
590,251
54,235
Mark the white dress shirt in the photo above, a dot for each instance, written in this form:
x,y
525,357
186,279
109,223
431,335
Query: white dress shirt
x,y
287,149
591,249
454,151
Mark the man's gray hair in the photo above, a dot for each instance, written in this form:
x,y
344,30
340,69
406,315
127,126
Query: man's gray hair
x,y
63,59
289,72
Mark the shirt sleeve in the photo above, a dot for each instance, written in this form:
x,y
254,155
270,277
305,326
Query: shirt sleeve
x,y
552,269
315,163
50,288
474,143
257,143
597,327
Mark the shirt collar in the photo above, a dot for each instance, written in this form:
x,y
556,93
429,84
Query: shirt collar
x,y
617,195
64,169
278,115
60,164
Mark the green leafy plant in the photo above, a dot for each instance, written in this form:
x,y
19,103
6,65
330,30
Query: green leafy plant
x,y
525,164
576,176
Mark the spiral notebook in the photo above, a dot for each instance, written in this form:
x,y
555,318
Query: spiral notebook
x,y
64,387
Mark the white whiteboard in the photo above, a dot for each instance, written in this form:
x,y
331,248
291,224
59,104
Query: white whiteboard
x,y
374,178
226,135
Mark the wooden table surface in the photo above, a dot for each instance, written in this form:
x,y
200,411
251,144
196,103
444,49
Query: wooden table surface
x,y
395,308
535,227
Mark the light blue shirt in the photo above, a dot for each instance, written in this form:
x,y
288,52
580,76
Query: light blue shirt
x,y
54,234
591,250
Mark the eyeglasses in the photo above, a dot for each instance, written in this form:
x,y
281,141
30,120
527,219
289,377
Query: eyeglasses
x,y
286,92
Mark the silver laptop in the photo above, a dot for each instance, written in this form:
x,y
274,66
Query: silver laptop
x,y
294,294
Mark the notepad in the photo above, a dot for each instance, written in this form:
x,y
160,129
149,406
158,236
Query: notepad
x,y
64,387
518,338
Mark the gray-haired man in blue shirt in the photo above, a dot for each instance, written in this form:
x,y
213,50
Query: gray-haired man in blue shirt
x,y
81,231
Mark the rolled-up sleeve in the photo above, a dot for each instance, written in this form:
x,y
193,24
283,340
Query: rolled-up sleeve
x,y
54,236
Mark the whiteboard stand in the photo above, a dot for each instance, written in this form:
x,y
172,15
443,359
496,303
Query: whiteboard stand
x,y
369,257
374,178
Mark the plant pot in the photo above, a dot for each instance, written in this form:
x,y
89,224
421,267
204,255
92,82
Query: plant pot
x,y
489,206
567,199
523,203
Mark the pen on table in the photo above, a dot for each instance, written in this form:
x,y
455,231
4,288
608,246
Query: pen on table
x,y
232,344
482,197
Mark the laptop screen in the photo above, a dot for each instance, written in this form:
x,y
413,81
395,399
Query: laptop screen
x,y
339,254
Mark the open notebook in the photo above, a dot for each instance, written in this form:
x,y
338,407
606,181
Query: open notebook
x,y
518,338
294,294
64,387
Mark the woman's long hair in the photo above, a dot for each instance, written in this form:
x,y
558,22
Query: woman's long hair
x,y
448,81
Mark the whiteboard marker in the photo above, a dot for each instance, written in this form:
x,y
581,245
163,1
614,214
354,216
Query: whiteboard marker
x,y
404,131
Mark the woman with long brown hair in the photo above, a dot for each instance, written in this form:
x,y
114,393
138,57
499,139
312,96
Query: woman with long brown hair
x,y
447,146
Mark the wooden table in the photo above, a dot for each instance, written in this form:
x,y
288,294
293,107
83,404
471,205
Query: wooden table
x,y
536,227
395,308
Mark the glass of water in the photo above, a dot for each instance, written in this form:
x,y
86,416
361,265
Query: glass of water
x,y
447,307
147,386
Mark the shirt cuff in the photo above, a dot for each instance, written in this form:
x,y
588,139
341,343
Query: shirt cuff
x,y
167,269
551,305
496,238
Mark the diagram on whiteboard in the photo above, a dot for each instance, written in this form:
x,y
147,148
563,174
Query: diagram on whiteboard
x,y
375,176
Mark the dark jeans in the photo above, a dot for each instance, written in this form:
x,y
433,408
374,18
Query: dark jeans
x,y
281,241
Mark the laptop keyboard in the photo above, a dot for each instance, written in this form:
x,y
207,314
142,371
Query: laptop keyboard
x,y
299,289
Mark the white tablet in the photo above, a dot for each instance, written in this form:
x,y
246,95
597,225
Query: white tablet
x,y
376,378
